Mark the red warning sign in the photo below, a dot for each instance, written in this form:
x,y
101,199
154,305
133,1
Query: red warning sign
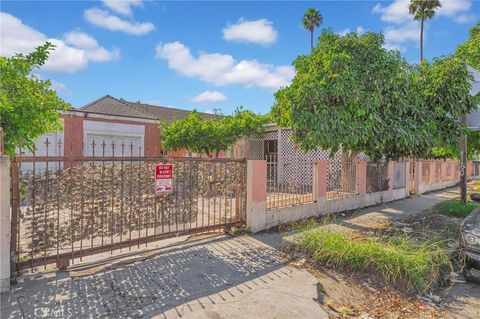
x,y
163,178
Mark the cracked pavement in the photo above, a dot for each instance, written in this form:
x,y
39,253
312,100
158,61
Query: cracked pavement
x,y
240,277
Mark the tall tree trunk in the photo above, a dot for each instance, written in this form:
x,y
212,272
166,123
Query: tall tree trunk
x,y
421,40
311,41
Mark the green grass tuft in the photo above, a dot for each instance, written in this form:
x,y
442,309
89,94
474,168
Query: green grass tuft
x,y
418,266
455,208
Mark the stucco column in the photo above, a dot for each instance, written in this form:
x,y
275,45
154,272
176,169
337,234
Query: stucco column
x,y
390,180
362,178
5,223
256,195
432,173
420,173
319,184
444,171
247,149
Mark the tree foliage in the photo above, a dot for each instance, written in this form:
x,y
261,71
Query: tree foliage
x,y
353,93
28,105
206,135
469,51
452,150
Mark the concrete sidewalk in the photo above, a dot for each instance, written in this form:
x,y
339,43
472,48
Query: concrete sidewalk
x,y
222,277
376,216
460,301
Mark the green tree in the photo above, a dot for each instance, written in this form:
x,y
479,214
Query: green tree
x,y
312,19
421,11
28,105
207,135
353,94
452,150
469,51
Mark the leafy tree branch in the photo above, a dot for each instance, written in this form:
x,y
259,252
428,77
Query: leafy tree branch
x,y
28,105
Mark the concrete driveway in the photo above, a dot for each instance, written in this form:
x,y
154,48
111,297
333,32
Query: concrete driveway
x,y
223,277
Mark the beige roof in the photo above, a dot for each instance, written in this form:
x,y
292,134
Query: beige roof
x,y
109,105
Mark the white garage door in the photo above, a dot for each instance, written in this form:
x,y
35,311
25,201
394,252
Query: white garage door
x,y
107,145
113,139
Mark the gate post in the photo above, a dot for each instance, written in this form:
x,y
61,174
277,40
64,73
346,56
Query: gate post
x,y
5,223
256,195
320,176
362,178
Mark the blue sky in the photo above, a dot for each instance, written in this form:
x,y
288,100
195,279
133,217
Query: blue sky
x,y
203,55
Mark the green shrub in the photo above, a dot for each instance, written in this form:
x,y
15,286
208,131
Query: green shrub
x,y
417,265
455,208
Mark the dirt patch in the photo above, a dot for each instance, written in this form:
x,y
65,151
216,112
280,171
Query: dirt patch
x,y
355,295
345,293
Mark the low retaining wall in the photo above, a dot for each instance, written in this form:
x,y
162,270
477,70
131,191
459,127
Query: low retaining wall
x,y
425,188
260,218
278,216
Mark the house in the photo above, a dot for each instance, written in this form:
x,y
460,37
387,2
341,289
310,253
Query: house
x,y
111,127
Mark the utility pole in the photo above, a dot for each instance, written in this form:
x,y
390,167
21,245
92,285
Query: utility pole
x,y
463,164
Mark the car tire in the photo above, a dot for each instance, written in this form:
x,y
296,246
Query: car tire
x,y
468,276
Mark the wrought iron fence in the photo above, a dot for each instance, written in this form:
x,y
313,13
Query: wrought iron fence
x,y
399,175
289,182
70,207
377,176
342,178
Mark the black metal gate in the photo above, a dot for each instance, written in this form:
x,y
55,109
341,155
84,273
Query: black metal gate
x,y
70,207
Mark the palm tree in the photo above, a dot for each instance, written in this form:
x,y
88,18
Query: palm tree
x,y
312,19
421,11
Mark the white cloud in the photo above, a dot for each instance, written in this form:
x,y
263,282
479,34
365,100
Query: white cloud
x,y
451,8
122,6
93,51
465,18
61,88
80,40
359,30
403,29
209,96
223,69
397,11
397,36
104,19
404,33
394,46
71,54
258,31
344,32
